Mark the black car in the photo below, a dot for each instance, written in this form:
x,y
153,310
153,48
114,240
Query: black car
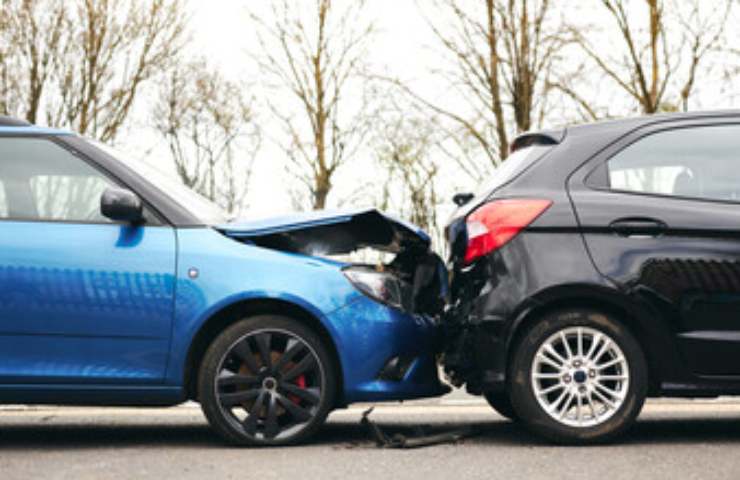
x,y
601,266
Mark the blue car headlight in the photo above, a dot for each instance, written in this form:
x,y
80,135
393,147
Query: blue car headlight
x,y
380,286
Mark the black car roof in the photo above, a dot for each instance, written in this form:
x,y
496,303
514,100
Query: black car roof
x,y
630,123
617,126
580,143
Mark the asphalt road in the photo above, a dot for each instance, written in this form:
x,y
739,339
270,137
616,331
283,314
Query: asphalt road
x,y
673,439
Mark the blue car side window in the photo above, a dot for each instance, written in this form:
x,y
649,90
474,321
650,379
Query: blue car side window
x,y
43,181
3,202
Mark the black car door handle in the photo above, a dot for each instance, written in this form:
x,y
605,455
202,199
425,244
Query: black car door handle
x,y
638,227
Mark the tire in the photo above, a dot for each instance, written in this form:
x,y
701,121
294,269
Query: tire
x,y
267,380
501,403
592,414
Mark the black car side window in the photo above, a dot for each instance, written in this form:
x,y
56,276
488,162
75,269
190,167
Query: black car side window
x,y
697,162
44,181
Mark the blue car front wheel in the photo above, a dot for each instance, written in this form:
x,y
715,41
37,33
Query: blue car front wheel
x,y
267,380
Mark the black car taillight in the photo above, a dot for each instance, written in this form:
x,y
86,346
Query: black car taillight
x,y
493,224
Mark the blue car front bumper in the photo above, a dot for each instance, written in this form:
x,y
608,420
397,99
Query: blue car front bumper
x,y
386,354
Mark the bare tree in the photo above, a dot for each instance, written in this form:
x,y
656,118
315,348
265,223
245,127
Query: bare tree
x,y
313,52
404,147
209,126
499,54
657,55
5,68
34,38
82,64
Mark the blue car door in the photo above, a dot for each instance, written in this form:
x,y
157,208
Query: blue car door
x,y
83,300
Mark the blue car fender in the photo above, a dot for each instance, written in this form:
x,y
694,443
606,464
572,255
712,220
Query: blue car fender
x,y
215,272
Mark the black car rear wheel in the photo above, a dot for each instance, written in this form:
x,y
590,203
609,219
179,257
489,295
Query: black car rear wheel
x,y
501,402
267,380
578,376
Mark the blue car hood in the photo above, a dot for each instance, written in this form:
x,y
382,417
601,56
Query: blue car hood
x,y
327,232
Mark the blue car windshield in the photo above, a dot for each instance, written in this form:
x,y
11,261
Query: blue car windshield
x,y
204,209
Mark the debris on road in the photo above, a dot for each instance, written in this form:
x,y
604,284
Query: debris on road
x,y
422,439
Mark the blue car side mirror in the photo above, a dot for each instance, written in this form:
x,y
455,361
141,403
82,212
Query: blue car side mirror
x,y
121,205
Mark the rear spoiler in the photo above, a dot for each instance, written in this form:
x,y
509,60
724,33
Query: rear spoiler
x,y
546,137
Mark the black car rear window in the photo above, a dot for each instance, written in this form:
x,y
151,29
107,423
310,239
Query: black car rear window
x,y
515,164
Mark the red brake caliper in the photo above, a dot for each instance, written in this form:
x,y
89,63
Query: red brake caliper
x,y
300,381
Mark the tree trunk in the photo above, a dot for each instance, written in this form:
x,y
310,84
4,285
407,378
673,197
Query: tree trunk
x,y
493,66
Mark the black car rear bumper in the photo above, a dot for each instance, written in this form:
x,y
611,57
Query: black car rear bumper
x,y
476,358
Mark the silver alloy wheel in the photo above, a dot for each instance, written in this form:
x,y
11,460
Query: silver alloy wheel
x,y
580,376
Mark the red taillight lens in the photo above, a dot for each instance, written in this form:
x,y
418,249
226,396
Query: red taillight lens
x,y
493,224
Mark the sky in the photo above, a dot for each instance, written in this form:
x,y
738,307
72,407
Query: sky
x,y
404,47
222,32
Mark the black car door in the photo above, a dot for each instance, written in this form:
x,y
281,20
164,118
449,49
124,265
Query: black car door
x,y
660,214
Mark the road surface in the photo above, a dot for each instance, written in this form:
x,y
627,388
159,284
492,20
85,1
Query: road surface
x,y
673,439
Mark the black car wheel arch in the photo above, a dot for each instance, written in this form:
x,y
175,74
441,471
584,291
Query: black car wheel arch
x,y
651,332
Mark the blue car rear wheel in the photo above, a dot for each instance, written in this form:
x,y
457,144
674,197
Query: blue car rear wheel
x,y
267,380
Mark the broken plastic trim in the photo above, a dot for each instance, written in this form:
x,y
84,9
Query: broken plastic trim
x,y
398,440
395,368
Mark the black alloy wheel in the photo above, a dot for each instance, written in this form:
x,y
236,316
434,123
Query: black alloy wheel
x,y
267,380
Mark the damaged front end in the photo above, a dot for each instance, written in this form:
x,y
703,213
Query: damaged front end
x,y
388,329
414,280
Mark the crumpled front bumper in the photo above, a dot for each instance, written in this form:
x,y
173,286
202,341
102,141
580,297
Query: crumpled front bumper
x,y
386,354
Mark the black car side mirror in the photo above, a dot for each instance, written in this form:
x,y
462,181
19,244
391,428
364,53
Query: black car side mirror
x,y
461,199
121,205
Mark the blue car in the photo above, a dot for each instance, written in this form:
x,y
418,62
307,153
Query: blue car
x,y
119,286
